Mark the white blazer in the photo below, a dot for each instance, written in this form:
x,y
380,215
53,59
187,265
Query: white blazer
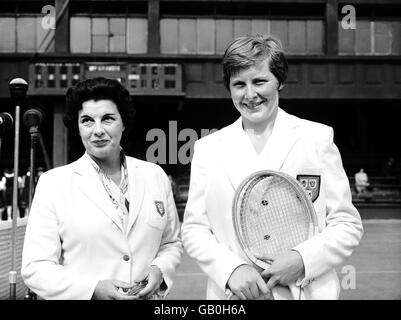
x,y
296,146
74,238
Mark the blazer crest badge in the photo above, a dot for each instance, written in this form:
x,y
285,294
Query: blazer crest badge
x,y
160,208
311,184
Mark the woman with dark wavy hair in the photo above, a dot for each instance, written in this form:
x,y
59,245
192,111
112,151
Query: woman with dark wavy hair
x,y
106,225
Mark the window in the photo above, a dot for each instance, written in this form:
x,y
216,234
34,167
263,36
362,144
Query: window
x,y
8,34
100,35
202,36
371,38
207,27
25,33
377,30
108,34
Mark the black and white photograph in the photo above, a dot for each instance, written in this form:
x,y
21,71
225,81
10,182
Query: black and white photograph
x,y
213,151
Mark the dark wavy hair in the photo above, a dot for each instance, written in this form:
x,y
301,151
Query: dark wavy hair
x,y
245,52
97,89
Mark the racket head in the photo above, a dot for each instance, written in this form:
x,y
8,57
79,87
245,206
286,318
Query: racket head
x,y
272,213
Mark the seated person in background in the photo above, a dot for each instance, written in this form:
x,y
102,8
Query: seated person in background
x,y
361,181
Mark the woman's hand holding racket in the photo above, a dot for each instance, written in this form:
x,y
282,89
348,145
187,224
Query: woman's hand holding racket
x,y
284,270
247,284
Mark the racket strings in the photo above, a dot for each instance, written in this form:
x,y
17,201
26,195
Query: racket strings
x,y
273,219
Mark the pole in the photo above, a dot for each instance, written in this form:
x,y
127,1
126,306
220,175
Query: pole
x,y
13,277
32,168
30,294
44,151
18,89
32,119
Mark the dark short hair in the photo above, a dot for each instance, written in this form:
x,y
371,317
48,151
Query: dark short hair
x,y
245,52
97,89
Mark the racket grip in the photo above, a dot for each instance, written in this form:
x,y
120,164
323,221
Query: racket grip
x,y
229,294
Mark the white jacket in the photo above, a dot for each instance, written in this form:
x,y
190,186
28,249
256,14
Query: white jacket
x,y
223,159
74,238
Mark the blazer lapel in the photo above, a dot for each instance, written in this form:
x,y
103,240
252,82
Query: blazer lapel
x,y
284,135
239,159
136,190
89,184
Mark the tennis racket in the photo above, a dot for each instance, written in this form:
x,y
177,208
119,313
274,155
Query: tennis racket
x,y
272,214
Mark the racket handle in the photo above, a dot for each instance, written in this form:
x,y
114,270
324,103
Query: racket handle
x,y
229,294
296,291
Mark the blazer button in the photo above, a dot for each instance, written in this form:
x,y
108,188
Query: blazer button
x,y
125,257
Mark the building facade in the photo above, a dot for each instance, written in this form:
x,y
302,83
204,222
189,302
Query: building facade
x,y
344,69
